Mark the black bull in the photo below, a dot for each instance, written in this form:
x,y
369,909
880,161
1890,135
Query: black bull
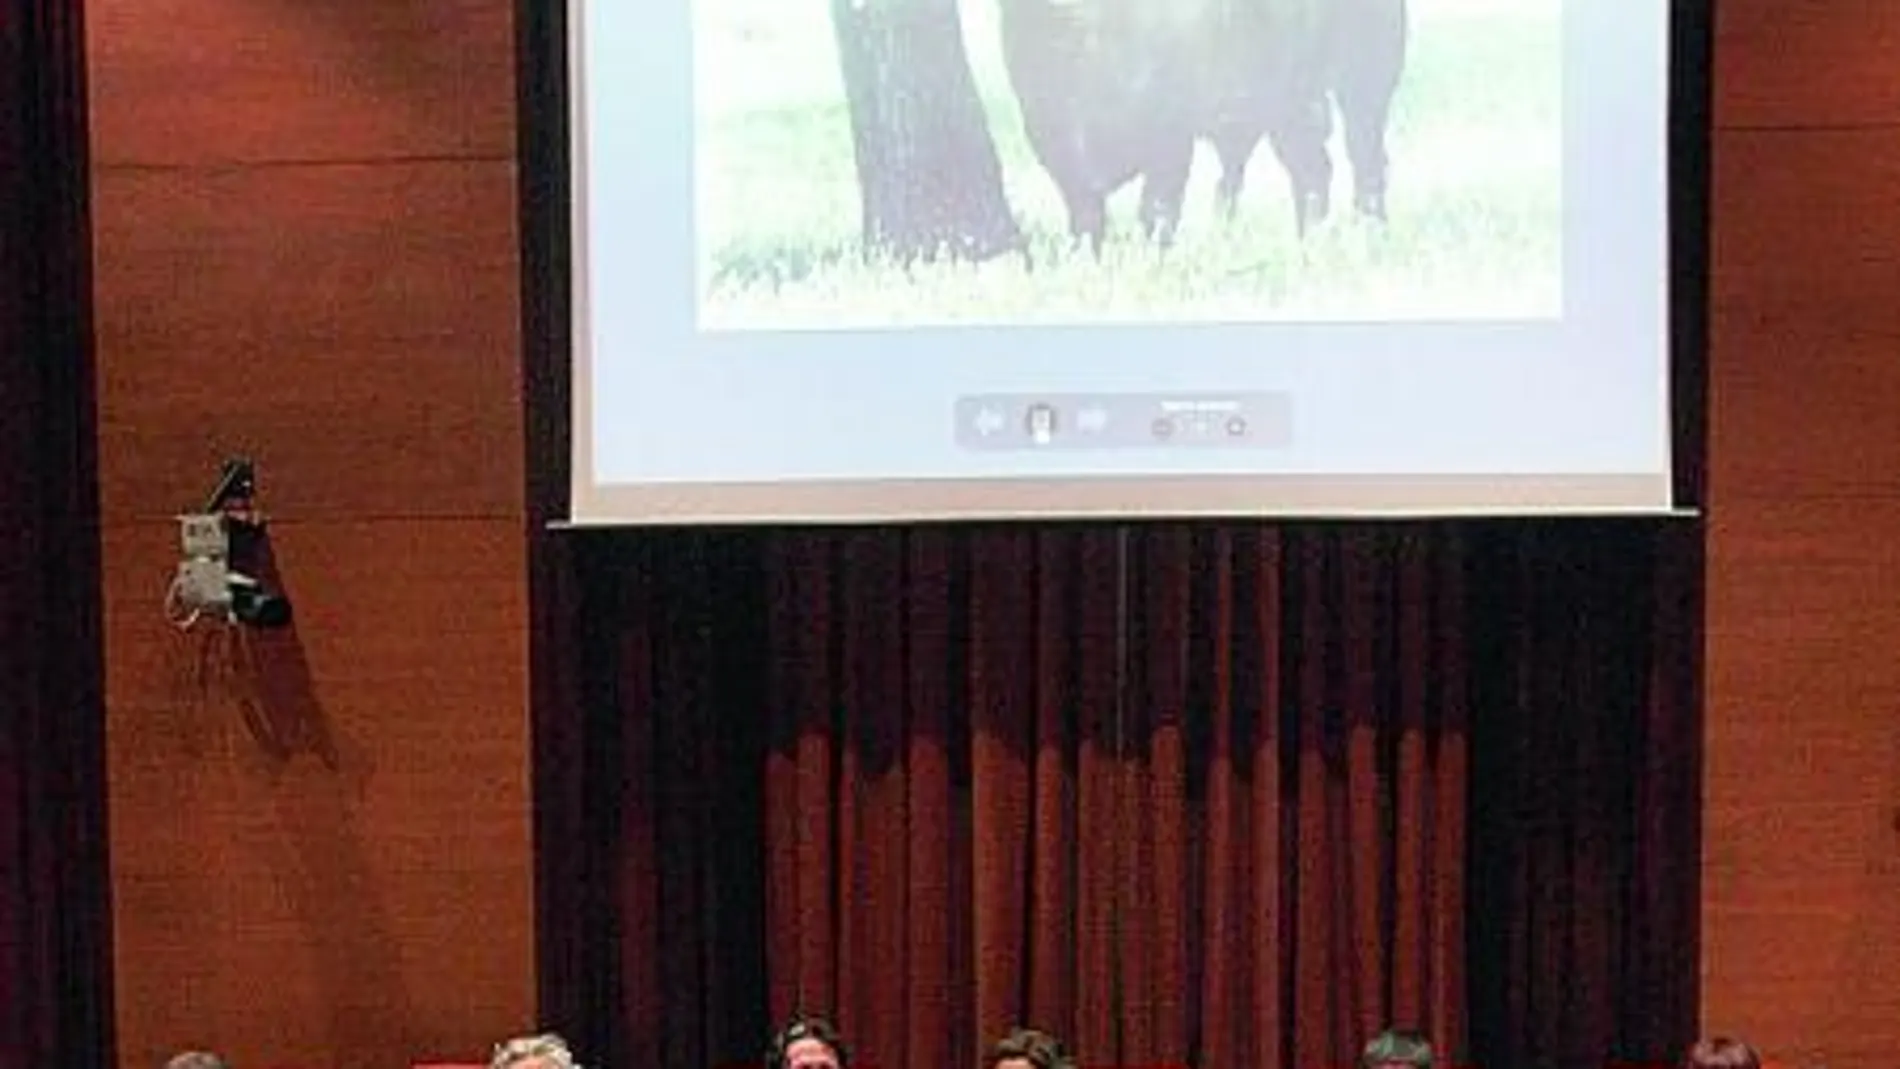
x,y
1112,90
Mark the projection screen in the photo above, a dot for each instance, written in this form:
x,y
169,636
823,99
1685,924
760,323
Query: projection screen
x,y
892,260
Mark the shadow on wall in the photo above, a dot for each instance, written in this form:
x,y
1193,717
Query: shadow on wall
x,y
390,49
310,843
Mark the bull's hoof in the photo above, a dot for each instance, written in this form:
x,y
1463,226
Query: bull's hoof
x,y
1088,238
981,248
1159,225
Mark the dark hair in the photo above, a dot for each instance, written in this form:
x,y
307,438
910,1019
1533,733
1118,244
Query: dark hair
x,y
806,1026
1399,1047
1039,1049
1721,1052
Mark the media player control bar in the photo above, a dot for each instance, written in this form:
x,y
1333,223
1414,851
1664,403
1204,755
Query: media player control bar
x,y
1012,422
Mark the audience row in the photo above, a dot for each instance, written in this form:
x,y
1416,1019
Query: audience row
x,y
811,1042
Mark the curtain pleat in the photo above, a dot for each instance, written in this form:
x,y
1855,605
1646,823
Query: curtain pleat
x,y
1213,795
55,908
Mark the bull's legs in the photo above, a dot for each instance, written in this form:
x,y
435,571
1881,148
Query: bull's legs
x,y
1088,217
1365,145
1365,104
1164,188
1235,150
1056,138
1372,40
1300,142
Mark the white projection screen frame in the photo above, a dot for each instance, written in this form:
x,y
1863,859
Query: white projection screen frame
x,y
738,356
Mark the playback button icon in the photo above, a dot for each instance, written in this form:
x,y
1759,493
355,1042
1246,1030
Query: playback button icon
x,y
1059,423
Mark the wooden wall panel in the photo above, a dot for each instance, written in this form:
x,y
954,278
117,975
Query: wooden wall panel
x,y
190,82
1804,313
1801,910
306,252
384,293
1809,64
1801,900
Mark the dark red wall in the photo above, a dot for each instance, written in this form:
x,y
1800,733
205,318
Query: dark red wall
x,y
1801,880
306,251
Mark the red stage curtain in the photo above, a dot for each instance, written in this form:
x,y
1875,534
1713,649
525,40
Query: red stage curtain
x,y
55,945
1587,864
1229,794
1220,795
1174,855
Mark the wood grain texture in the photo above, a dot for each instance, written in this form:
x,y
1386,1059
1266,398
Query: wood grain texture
x,y
306,252
1801,921
1807,64
1801,878
195,82
352,326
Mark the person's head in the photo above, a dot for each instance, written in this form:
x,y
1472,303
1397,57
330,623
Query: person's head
x,y
196,1059
1027,1048
1721,1052
1398,1049
545,1051
807,1042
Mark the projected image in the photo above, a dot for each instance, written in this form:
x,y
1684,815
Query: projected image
x,y
866,164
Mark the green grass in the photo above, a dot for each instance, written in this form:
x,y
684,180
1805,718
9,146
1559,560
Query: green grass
x,y
1475,197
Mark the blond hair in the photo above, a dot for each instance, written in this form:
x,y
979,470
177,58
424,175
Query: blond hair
x,y
547,1047
1721,1052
